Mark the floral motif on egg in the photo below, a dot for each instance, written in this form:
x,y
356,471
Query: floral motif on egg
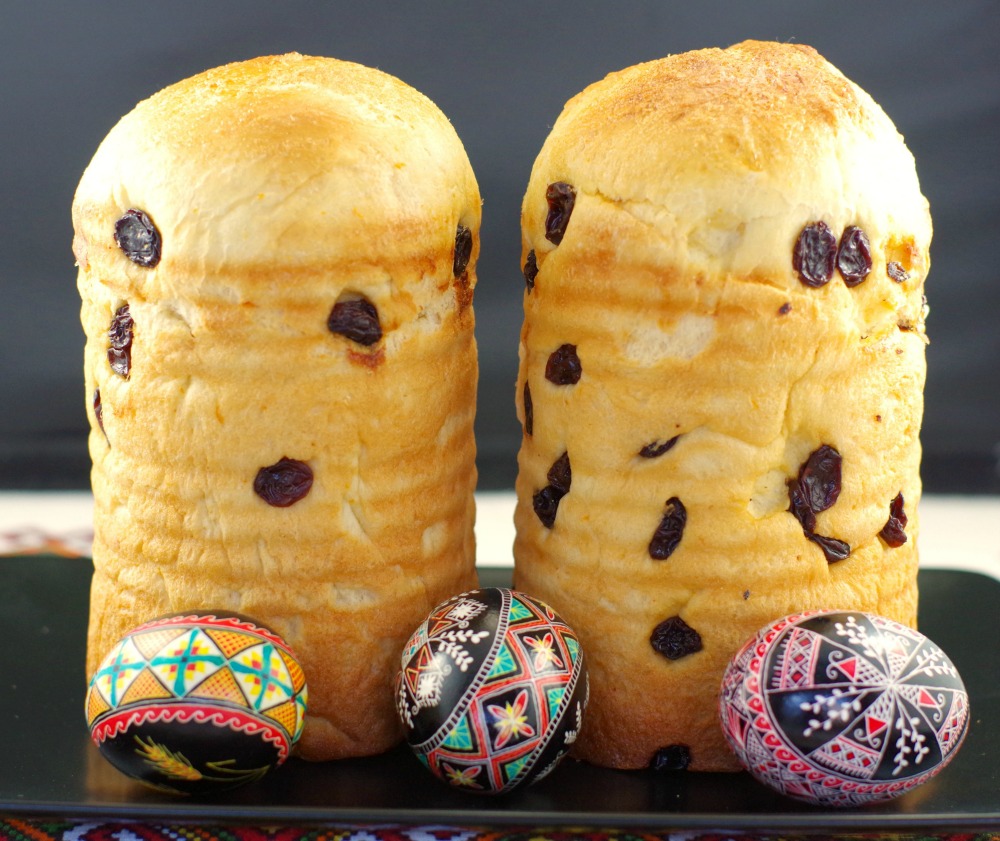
x,y
492,690
842,708
192,702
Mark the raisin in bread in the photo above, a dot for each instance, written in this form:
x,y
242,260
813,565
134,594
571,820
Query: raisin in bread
x,y
277,264
721,376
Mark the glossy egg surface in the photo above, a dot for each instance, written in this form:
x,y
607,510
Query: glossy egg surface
x,y
492,690
197,701
842,708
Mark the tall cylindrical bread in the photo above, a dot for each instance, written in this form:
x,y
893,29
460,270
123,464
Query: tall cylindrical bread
x,y
277,264
721,377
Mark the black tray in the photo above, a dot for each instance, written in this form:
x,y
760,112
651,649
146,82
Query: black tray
x,y
51,769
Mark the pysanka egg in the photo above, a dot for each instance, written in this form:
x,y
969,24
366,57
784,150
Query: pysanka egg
x,y
492,690
842,708
197,701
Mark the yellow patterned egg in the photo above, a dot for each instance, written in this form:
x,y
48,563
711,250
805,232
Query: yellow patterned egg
x,y
193,702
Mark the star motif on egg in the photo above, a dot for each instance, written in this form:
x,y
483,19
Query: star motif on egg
x,y
543,650
465,777
511,720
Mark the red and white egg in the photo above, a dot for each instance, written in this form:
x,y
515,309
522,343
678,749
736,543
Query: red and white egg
x,y
842,708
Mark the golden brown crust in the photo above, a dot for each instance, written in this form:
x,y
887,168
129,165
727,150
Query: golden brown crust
x,y
279,185
694,176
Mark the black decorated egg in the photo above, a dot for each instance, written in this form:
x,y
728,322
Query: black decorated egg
x,y
197,702
842,708
492,690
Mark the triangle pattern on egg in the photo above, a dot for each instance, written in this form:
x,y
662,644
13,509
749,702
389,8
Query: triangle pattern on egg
x,y
285,715
848,667
231,642
874,726
150,642
294,670
504,664
461,738
511,769
145,688
220,686
96,705
519,611
572,646
925,699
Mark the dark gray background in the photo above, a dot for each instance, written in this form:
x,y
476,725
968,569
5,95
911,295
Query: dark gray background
x,y
501,72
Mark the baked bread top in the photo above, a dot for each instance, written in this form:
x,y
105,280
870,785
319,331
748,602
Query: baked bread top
x,y
313,159
725,155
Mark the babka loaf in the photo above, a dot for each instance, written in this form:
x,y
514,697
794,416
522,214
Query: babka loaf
x,y
277,264
721,377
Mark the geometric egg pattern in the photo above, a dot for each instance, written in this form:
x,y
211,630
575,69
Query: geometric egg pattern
x,y
842,708
210,670
492,690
